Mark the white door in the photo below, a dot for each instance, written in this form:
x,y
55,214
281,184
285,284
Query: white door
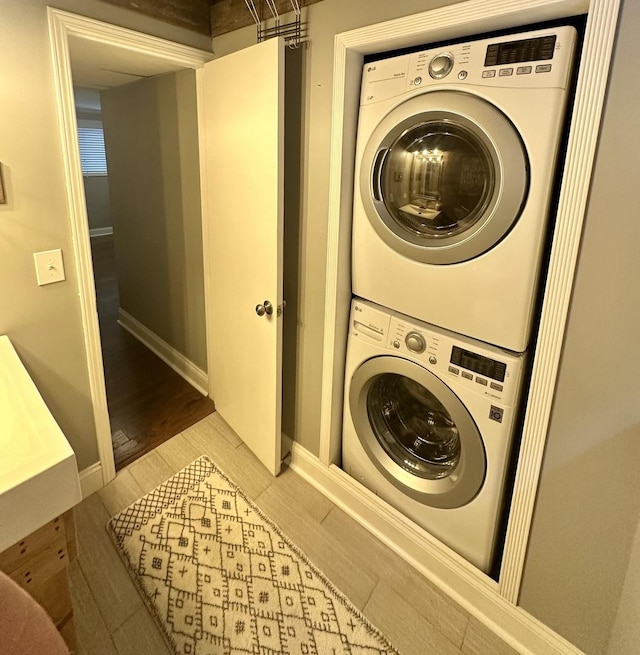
x,y
242,118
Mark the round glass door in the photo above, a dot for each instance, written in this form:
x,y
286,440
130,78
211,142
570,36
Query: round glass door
x,y
413,427
444,177
436,180
417,432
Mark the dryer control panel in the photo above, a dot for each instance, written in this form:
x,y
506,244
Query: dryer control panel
x,y
529,60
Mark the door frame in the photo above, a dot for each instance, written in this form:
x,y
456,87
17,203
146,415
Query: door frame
x,y
63,25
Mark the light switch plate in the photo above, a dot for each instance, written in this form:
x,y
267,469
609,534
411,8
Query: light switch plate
x,y
49,266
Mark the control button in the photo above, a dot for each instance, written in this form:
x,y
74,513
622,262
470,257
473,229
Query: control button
x,y
481,381
523,70
496,413
415,342
433,360
505,72
462,75
440,66
467,375
396,344
454,370
488,73
543,68
496,386
417,81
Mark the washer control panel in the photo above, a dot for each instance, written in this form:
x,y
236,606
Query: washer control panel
x,y
458,360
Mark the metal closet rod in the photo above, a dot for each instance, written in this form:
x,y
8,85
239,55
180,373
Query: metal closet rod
x,y
292,32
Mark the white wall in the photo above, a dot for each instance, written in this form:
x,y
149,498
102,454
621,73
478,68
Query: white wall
x,y
44,323
588,508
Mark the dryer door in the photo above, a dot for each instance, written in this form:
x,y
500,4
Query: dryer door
x,y
417,432
444,177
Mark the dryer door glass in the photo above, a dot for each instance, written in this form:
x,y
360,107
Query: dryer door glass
x,y
443,177
437,180
413,427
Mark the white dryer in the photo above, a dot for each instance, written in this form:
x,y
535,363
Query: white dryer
x,y
455,161
428,425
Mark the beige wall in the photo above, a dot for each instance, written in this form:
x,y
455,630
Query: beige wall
x,y
96,195
96,187
305,269
44,323
151,141
588,510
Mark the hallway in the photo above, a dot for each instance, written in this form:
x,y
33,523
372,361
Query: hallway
x,y
148,401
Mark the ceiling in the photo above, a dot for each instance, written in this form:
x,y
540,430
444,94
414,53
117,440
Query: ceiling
x,y
96,65
100,66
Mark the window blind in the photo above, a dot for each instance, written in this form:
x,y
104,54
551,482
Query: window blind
x,y
92,156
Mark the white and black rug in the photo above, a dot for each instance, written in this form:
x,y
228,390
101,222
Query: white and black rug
x,y
221,578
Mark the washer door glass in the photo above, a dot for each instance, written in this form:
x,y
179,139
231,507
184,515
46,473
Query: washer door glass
x,y
413,427
444,177
437,180
417,432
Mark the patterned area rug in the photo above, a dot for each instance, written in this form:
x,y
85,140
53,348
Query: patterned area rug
x,y
221,578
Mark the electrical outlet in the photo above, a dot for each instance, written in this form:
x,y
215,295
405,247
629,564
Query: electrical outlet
x,y
49,266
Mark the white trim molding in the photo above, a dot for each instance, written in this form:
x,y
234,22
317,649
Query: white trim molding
x,y
100,232
455,21
474,591
91,479
576,180
62,26
183,366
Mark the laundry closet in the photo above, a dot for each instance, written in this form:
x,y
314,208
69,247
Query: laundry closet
x,y
393,333
455,169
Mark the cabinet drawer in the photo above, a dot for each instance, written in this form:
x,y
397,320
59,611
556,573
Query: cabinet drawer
x,y
20,553
42,566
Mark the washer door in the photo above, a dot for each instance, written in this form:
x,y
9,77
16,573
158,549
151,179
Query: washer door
x,y
444,177
417,432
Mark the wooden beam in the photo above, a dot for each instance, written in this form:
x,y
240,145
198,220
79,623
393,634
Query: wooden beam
x,y
229,15
194,15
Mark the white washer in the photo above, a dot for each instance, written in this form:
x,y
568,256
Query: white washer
x,y
428,425
455,161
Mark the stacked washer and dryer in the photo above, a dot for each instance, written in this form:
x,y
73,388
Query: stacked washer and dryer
x,y
455,168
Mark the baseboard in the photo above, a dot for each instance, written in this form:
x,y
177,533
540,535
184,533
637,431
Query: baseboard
x,y
475,592
100,231
194,375
91,479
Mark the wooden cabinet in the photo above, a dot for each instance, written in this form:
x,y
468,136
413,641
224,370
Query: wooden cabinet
x,y
39,563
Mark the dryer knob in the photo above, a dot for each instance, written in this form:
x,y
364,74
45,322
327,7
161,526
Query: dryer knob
x,y
440,66
415,342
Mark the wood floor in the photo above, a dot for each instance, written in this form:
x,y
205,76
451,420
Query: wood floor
x,y
148,401
112,619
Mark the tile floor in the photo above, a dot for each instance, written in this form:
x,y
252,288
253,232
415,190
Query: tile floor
x,y
111,618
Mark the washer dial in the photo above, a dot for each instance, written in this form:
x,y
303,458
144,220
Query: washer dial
x,y
415,342
440,66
